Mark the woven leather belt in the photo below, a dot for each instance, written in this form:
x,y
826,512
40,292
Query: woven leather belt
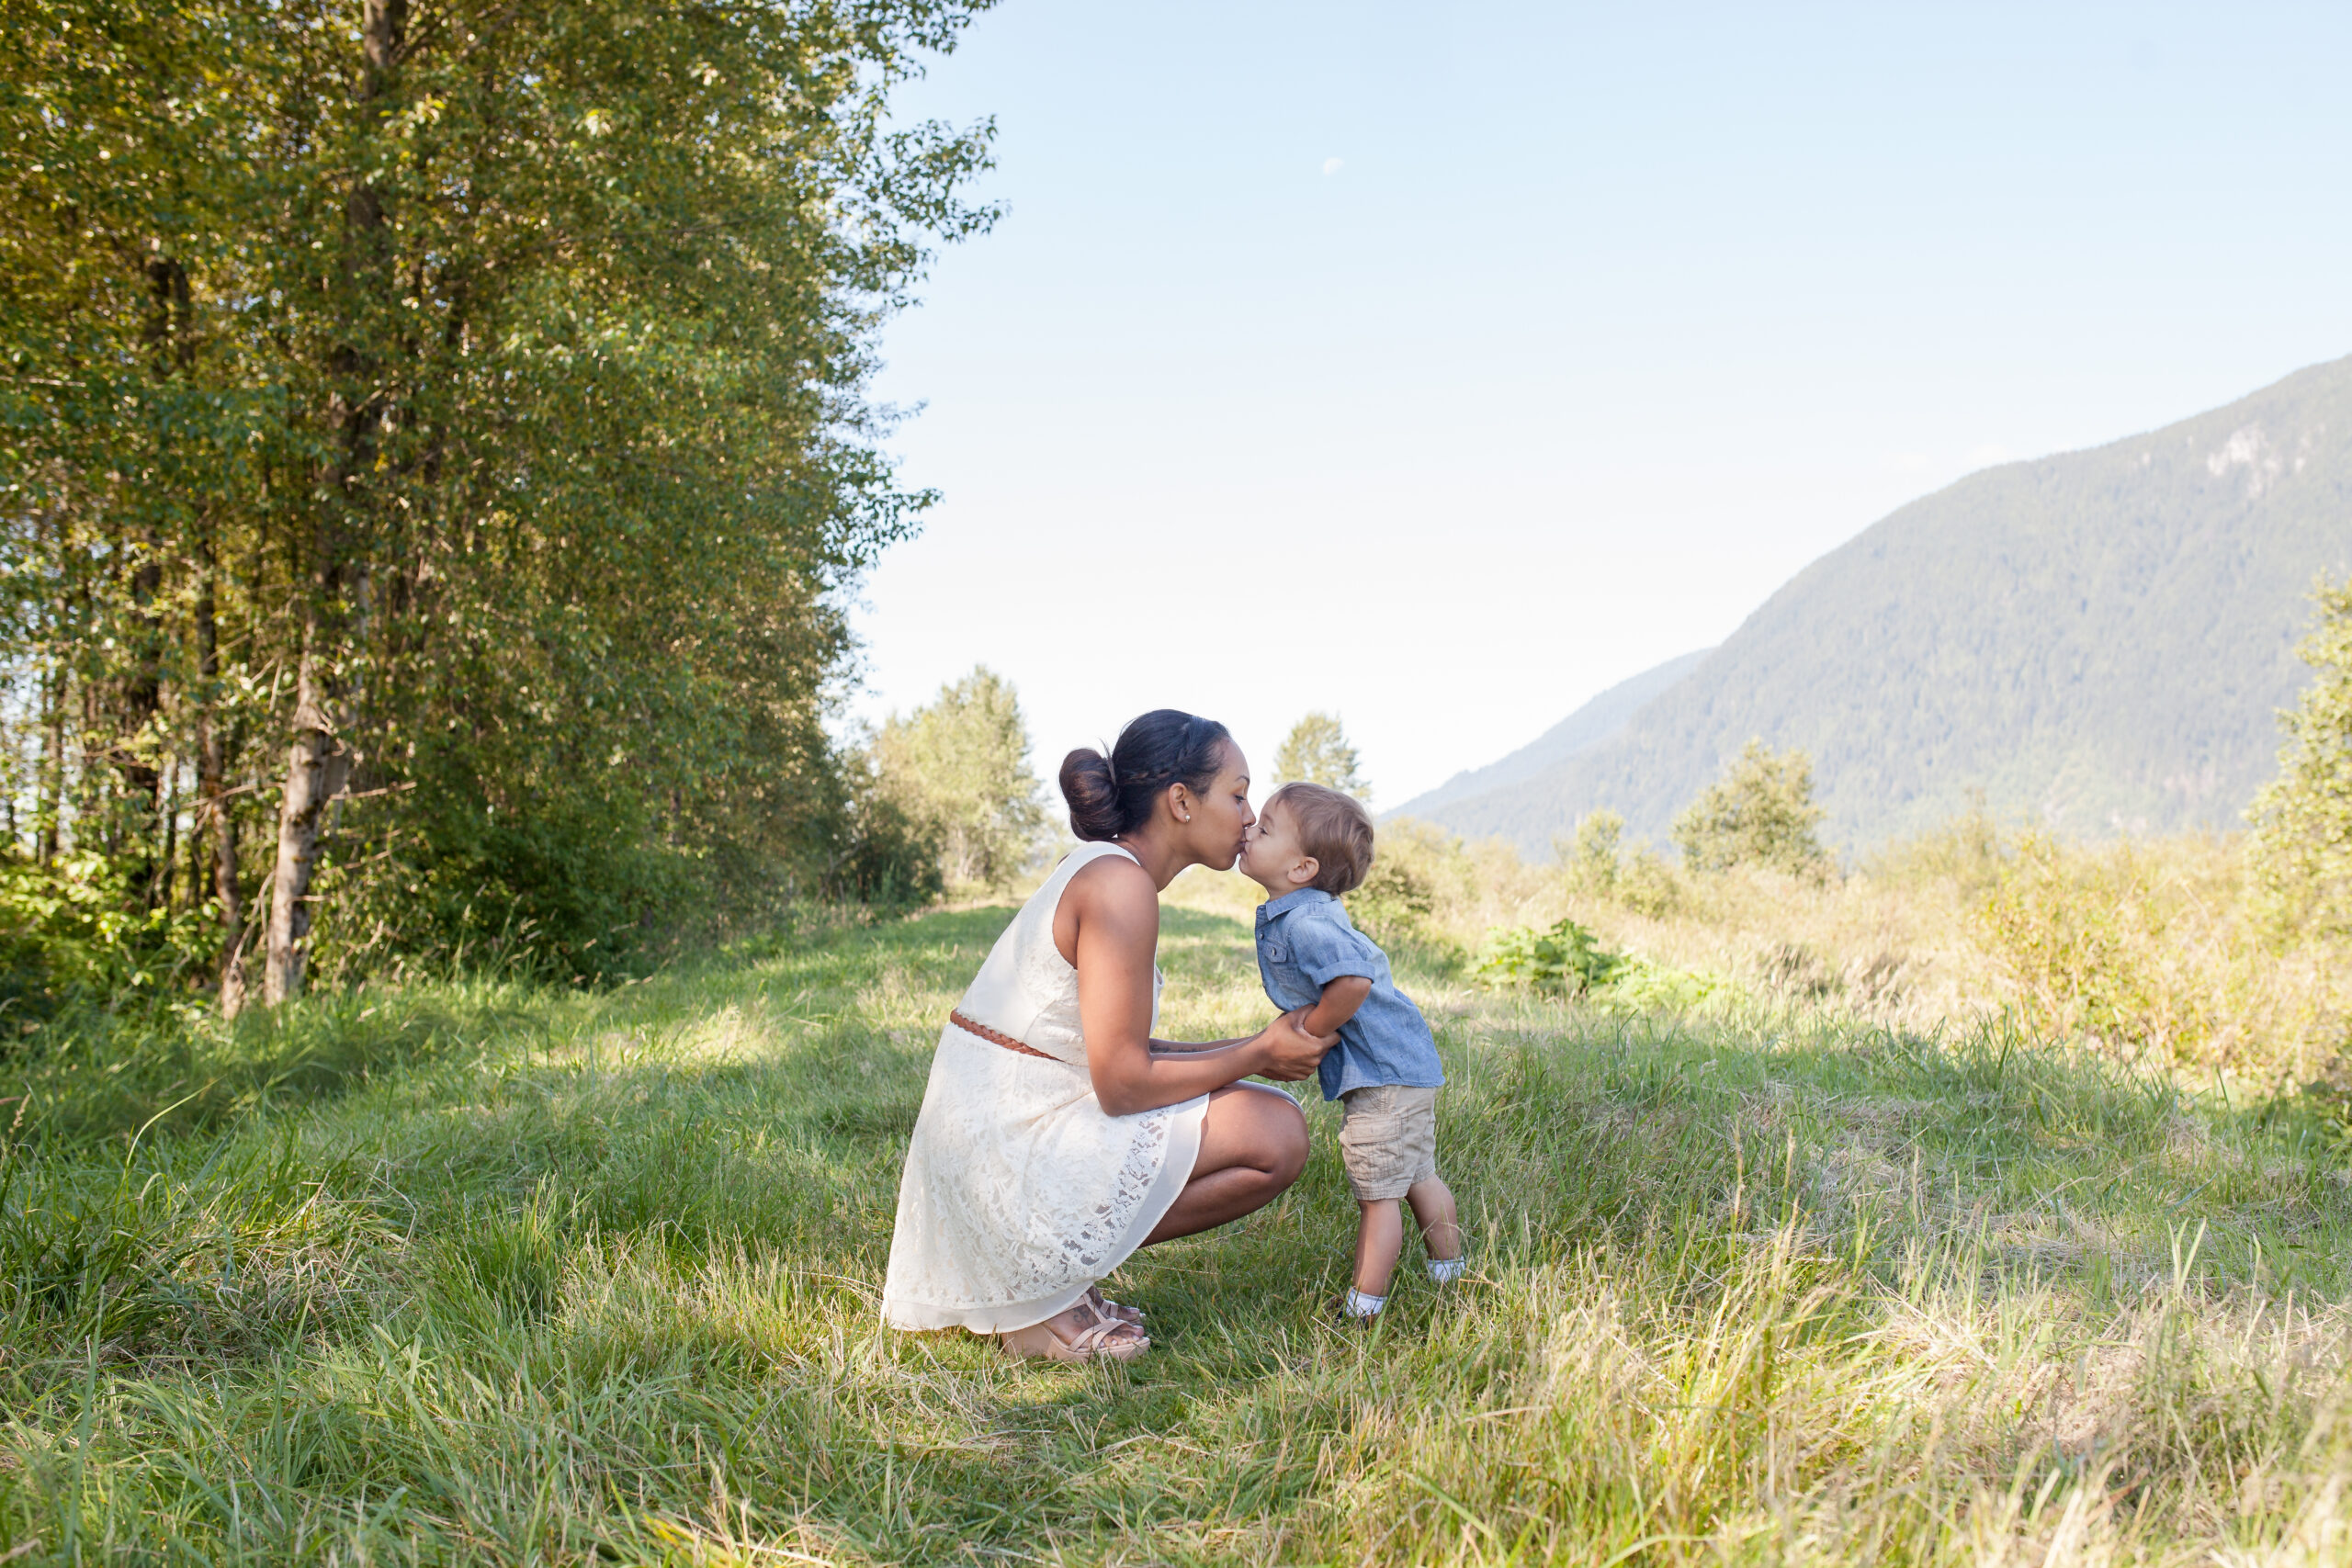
x,y
993,1038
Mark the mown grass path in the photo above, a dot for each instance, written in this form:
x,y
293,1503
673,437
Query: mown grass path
x,y
471,1274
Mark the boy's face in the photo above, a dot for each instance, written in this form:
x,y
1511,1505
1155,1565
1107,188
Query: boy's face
x,y
1272,858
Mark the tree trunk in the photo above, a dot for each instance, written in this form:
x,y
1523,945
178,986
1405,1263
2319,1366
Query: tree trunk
x,y
319,762
49,785
215,822
169,860
52,785
316,767
232,910
141,691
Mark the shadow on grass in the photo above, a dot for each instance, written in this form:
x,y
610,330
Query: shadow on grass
x,y
604,1266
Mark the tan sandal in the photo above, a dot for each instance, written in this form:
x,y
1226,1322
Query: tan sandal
x,y
1095,1339
1119,1310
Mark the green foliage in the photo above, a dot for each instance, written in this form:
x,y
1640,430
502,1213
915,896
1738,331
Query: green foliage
x,y
1567,958
517,1275
1648,886
1394,902
72,933
887,857
1966,851
959,771
1316,751
2121,949
484,402
1590,858
2302,852
1642,986
1761,812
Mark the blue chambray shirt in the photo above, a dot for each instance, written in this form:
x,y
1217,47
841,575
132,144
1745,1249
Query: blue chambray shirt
x,y
1304,942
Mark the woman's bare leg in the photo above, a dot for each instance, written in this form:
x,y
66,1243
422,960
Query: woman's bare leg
x,y
1253,1144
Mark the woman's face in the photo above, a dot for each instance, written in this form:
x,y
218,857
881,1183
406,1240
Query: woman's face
x,y
1221,814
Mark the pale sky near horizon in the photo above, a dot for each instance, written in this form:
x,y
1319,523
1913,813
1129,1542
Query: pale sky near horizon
x,y
1441,367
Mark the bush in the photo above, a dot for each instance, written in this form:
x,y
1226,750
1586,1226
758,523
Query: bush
x,y
888,859
1589,859
1648,886
71,931
1567,958
1394,903
1643,987
2301,853
2144,951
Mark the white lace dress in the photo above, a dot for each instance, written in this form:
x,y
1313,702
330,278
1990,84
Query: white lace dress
x,y
1020,1191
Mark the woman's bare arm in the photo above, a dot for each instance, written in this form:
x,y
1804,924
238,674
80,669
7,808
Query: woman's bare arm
x,y
1110,913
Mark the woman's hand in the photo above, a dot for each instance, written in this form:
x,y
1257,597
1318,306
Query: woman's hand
x,y
1291,1051
1112,910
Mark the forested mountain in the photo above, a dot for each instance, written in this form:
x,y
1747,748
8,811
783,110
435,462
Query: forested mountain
x,y
2100,640
1582,731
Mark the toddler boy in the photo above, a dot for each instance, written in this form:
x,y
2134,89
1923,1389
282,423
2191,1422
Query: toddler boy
x,y
1310,845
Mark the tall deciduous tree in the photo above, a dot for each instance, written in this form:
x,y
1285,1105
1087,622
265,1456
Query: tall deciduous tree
x,y
1760,813
439,430
1316,751
959,768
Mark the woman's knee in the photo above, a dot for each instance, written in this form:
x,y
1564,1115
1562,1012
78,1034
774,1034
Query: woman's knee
x,y
1285,1142
1258,1129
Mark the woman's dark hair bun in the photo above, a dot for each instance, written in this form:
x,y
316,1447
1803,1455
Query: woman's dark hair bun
x,y
1113,795
1094,799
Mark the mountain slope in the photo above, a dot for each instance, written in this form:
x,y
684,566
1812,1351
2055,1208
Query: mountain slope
x,y
1588,727
2100,639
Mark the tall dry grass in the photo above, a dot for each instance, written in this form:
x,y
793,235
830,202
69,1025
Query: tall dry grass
x,y
2153,952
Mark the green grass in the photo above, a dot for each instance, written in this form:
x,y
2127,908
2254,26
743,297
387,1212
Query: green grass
x,y
478,1273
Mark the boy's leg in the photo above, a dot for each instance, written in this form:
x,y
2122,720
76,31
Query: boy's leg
x,y
1380,1236
1433,1203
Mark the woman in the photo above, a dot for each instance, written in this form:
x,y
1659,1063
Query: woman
x,y
1056,1136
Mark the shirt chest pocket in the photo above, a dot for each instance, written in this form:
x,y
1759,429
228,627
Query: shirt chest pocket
x,y
1277,953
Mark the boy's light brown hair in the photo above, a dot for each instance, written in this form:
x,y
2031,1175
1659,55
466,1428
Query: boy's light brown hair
x,y
1332,826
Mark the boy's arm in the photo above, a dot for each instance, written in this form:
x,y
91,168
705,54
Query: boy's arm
x,y
1341,999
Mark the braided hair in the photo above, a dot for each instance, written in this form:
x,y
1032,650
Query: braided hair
x,y
1113,795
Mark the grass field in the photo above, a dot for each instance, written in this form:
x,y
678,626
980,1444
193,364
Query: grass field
x,y
483,1273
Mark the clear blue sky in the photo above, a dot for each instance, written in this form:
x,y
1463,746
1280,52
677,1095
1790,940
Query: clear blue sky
x,y
1442,365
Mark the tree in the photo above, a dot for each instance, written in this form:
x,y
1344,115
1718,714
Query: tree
x,y
436,441
1590,858
2301,846
1316,751
1760,813
958,769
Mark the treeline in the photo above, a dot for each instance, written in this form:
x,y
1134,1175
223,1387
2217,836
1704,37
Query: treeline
x,y
433,446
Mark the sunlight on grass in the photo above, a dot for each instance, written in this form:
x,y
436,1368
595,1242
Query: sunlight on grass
x,y
564,1278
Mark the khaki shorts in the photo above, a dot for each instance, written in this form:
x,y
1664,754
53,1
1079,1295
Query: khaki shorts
x,y
1387,1139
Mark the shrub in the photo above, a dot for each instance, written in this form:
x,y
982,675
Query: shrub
x,y
1647,886
1643,987
2143,949
2301,853
1565,958
887,859
72,930
1393,903
1589,859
